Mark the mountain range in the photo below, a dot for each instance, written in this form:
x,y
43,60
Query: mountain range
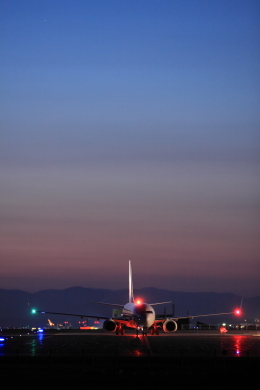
x,y
16,305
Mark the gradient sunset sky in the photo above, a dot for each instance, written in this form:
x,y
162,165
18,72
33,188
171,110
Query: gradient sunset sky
x,y
130,130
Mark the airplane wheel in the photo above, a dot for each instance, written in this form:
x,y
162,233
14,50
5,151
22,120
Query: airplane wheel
x,y
152,331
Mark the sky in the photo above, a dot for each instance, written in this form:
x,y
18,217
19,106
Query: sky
x,y
130,130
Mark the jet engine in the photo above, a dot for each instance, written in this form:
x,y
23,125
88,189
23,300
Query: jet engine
x,y
170,326
109,326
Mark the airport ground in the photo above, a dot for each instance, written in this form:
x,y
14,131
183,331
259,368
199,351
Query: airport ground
x,y
95,359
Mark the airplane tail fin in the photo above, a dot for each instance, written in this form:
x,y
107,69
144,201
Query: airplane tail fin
x,y
131,292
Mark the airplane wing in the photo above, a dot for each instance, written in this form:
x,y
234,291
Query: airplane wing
x,y
191,317
108,304
205,315
116,319
74,315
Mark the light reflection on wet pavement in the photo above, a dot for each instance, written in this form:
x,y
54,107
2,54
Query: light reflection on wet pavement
x,y
237,345
173,345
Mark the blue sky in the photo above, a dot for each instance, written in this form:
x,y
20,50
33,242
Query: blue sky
x,y
130,130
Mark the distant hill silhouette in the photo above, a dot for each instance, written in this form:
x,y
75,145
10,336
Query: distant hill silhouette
x,y
15,305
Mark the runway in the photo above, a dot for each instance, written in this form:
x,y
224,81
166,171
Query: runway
x,y
182,343
104,359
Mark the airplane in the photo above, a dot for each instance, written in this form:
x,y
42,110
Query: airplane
x,y
50,323
137,315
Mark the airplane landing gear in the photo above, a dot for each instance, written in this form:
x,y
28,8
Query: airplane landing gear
x,y
144,331
120,330
154,330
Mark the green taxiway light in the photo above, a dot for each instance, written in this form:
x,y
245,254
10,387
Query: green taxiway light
x,y
33,311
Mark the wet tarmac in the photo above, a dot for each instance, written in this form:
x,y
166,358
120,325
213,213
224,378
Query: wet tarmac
x,y
189,344
103,359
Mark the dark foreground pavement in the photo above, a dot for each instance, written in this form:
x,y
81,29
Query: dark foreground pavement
x,y
127,371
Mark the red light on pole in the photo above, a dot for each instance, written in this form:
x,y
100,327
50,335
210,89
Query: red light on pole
x,y
222,329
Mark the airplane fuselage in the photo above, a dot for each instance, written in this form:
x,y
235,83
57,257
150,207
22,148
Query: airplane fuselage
x,y
142,315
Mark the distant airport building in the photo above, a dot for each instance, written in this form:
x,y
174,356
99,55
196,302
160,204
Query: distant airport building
x,y
202,325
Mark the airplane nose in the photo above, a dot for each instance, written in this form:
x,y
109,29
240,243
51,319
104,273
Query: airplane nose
x,y
148,320
145,320
144,315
